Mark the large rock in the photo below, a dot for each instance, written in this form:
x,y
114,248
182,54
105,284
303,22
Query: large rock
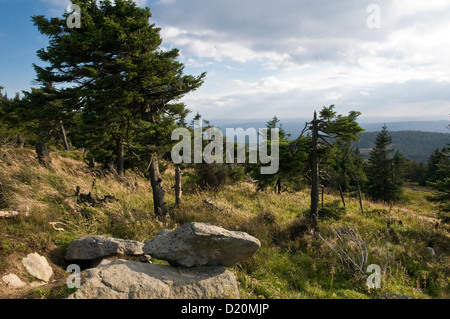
x,y
38,266
134,280
95,247
199,244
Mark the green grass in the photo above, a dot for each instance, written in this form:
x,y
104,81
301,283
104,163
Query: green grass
x,y
292,262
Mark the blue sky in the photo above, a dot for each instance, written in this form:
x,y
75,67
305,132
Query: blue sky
x,y
284,58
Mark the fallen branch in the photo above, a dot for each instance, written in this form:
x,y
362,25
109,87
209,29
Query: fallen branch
x,y
8,214
56,228
13,214
211,204
89,198
354,261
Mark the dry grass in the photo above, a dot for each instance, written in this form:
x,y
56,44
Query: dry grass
x,y
292,262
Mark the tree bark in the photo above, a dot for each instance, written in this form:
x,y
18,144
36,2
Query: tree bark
x,y
158,191
323,193
315,175
178,191
120,159
342,195
43,154
63,136
360,198
19,141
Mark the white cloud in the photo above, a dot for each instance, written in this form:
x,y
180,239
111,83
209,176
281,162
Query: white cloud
x,y
265,57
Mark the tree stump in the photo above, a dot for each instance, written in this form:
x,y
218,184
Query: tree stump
x,y
158,191
178,191
43,154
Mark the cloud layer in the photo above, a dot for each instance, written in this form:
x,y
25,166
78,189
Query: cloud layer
x,y
288,57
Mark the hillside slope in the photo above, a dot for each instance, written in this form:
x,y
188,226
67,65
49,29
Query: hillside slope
x,y
292,262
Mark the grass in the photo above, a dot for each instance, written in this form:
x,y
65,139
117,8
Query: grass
x,y
292,262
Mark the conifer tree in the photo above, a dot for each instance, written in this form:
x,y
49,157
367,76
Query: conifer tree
x,y
326,129
384,182
114,75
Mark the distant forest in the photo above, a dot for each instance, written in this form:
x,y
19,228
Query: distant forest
x,y
414,145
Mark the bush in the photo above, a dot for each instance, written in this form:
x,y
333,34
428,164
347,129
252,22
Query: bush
x,y
332,210
236,174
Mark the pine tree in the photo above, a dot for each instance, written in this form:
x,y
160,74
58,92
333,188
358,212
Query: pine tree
x,y
384,181
325,129
442,184
120,81
291,165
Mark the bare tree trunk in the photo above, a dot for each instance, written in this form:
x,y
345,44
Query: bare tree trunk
x,y
178,186
315,175
63,136
158,191
360,198
323,192
92,162
19,141
120,159
342,195
359,192
43,154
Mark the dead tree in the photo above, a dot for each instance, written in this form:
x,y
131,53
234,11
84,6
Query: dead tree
x,y
356,180
329,126
315,173
43,154
342,195
120,157
19,141
159,203
63,136
178,191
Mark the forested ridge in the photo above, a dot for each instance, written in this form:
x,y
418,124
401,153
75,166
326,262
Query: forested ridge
x,y
414,145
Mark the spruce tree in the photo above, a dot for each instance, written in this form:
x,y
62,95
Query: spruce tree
x,y
114,75
326,130
291,165
384,181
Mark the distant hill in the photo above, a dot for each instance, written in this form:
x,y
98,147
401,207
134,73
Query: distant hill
x,y
423,126
295,126
416,140
414,145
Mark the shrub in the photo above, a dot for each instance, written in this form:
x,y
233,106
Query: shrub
x,y
332,210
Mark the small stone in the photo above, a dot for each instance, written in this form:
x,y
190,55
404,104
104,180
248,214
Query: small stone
x,y
13,281
145,259
38,266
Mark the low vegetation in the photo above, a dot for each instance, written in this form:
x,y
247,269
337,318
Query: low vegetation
x,y
293,262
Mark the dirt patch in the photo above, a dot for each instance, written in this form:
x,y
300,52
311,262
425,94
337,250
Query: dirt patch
x,y
16,267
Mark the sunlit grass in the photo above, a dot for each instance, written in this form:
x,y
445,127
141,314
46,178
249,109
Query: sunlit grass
x,y
292,262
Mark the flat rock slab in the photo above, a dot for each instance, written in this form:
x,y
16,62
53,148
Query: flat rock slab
x,y
13,281
134,280
38,266
199,244
95,247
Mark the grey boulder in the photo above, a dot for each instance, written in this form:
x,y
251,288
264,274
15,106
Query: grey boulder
x,y
95,247
200,244
134,280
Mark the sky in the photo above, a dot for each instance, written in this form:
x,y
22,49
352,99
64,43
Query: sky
x,y
388,59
